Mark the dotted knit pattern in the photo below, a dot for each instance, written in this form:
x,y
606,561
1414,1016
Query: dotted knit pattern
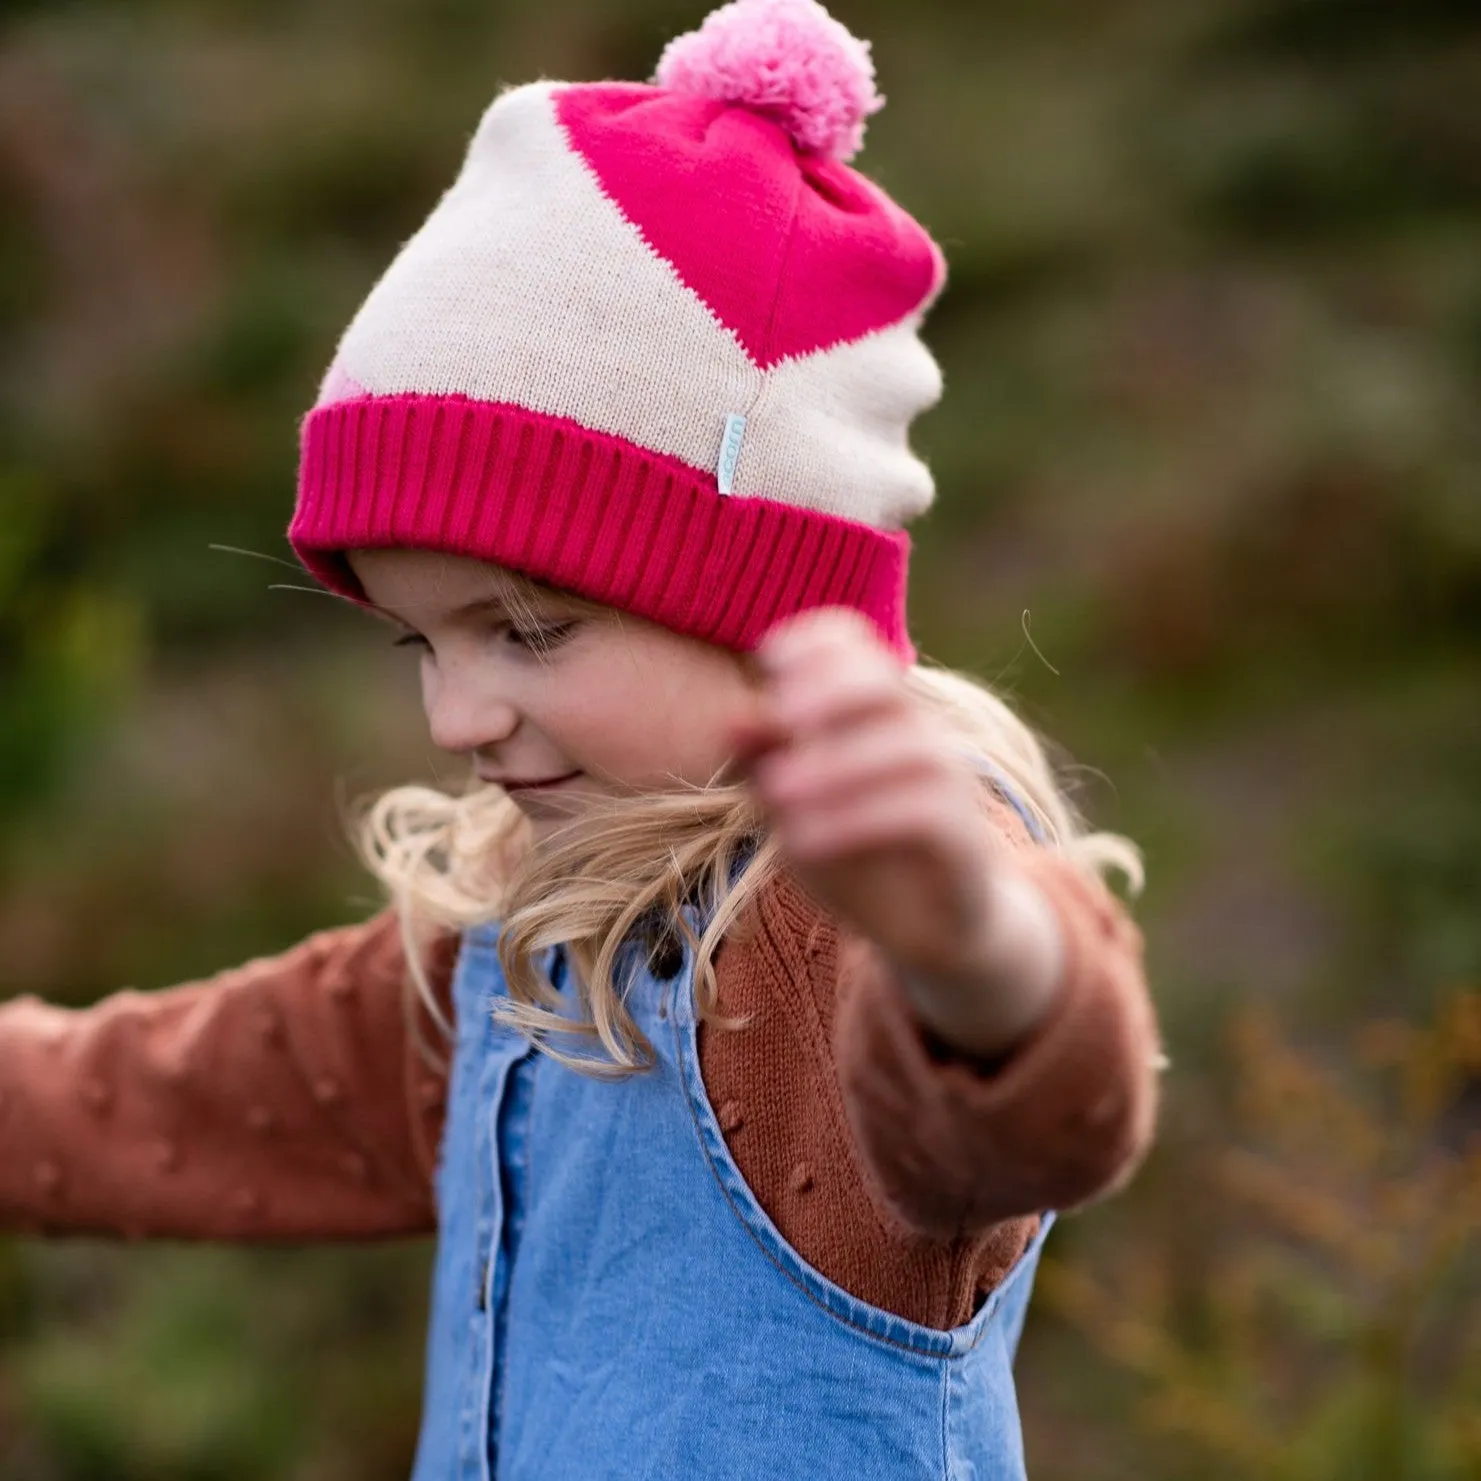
x,y
275,1101
288,1100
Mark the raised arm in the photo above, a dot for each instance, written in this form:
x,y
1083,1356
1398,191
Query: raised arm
x,y
1065,1117
285,1099
994,1040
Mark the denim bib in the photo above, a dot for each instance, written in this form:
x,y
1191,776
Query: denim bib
x,y
611,1301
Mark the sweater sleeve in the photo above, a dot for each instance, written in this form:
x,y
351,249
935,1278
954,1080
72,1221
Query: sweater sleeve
x,y
285,1099
956,1146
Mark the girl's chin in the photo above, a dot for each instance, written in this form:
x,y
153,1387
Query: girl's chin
x,y
549,807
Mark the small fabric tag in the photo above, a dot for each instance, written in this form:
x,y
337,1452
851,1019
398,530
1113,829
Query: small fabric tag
x,y
730,446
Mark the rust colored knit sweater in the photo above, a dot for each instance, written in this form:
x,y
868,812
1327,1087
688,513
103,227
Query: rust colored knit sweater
x,y
288,1099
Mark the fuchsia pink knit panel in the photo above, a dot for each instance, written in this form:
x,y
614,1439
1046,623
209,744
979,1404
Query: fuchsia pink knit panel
x,y
792,253
581,510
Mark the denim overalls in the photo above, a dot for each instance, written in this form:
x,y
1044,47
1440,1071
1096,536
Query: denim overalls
x,y
610,1300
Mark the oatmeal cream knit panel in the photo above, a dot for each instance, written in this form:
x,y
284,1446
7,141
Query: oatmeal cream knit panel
x,y
528,286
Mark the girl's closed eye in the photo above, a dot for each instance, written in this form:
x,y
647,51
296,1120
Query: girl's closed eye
x,y
542,637
536,638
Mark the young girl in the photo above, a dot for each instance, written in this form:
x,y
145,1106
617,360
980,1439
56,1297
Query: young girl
x,y
759,1003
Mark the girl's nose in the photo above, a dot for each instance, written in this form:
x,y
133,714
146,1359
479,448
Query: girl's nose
x,y
462,718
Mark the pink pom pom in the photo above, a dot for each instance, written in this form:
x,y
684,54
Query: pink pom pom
x,y
788,59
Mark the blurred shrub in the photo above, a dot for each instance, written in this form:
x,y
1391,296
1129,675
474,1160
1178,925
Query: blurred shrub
x,y
68,648
1331,1330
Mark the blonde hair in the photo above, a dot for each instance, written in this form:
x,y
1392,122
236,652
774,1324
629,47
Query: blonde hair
x,y
623,870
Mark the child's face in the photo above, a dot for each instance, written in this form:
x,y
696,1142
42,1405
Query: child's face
x,y
551,690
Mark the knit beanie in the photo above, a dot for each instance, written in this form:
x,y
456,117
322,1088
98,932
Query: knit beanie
x,y
658,346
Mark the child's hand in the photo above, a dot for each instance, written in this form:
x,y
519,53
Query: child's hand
x,y
883,822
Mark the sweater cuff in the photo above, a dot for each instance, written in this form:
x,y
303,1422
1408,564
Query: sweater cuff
x,y
1064,1117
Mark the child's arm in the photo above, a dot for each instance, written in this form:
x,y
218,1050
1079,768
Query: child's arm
x,y
1066,1115
281,1100
994,1039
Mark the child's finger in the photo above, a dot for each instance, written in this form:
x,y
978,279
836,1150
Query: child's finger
x,y
823,641
833,698
823,675
870,758
816,629
906,816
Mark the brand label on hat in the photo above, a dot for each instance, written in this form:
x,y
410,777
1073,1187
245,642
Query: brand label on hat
x,y
730,446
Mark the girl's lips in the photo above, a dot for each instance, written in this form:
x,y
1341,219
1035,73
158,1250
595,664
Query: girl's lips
x,y
514,784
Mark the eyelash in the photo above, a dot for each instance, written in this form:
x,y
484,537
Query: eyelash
x,y
534,640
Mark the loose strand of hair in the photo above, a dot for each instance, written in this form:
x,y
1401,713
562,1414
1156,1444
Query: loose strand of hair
x,y
627,869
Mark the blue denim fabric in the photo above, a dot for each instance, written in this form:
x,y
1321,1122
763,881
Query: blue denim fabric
x,y
610,1300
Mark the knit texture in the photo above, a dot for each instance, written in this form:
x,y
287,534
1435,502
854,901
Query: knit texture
x,y
786,58
289,1099
651,348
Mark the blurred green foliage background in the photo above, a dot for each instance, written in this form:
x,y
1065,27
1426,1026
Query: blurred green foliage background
x,y
1209,510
